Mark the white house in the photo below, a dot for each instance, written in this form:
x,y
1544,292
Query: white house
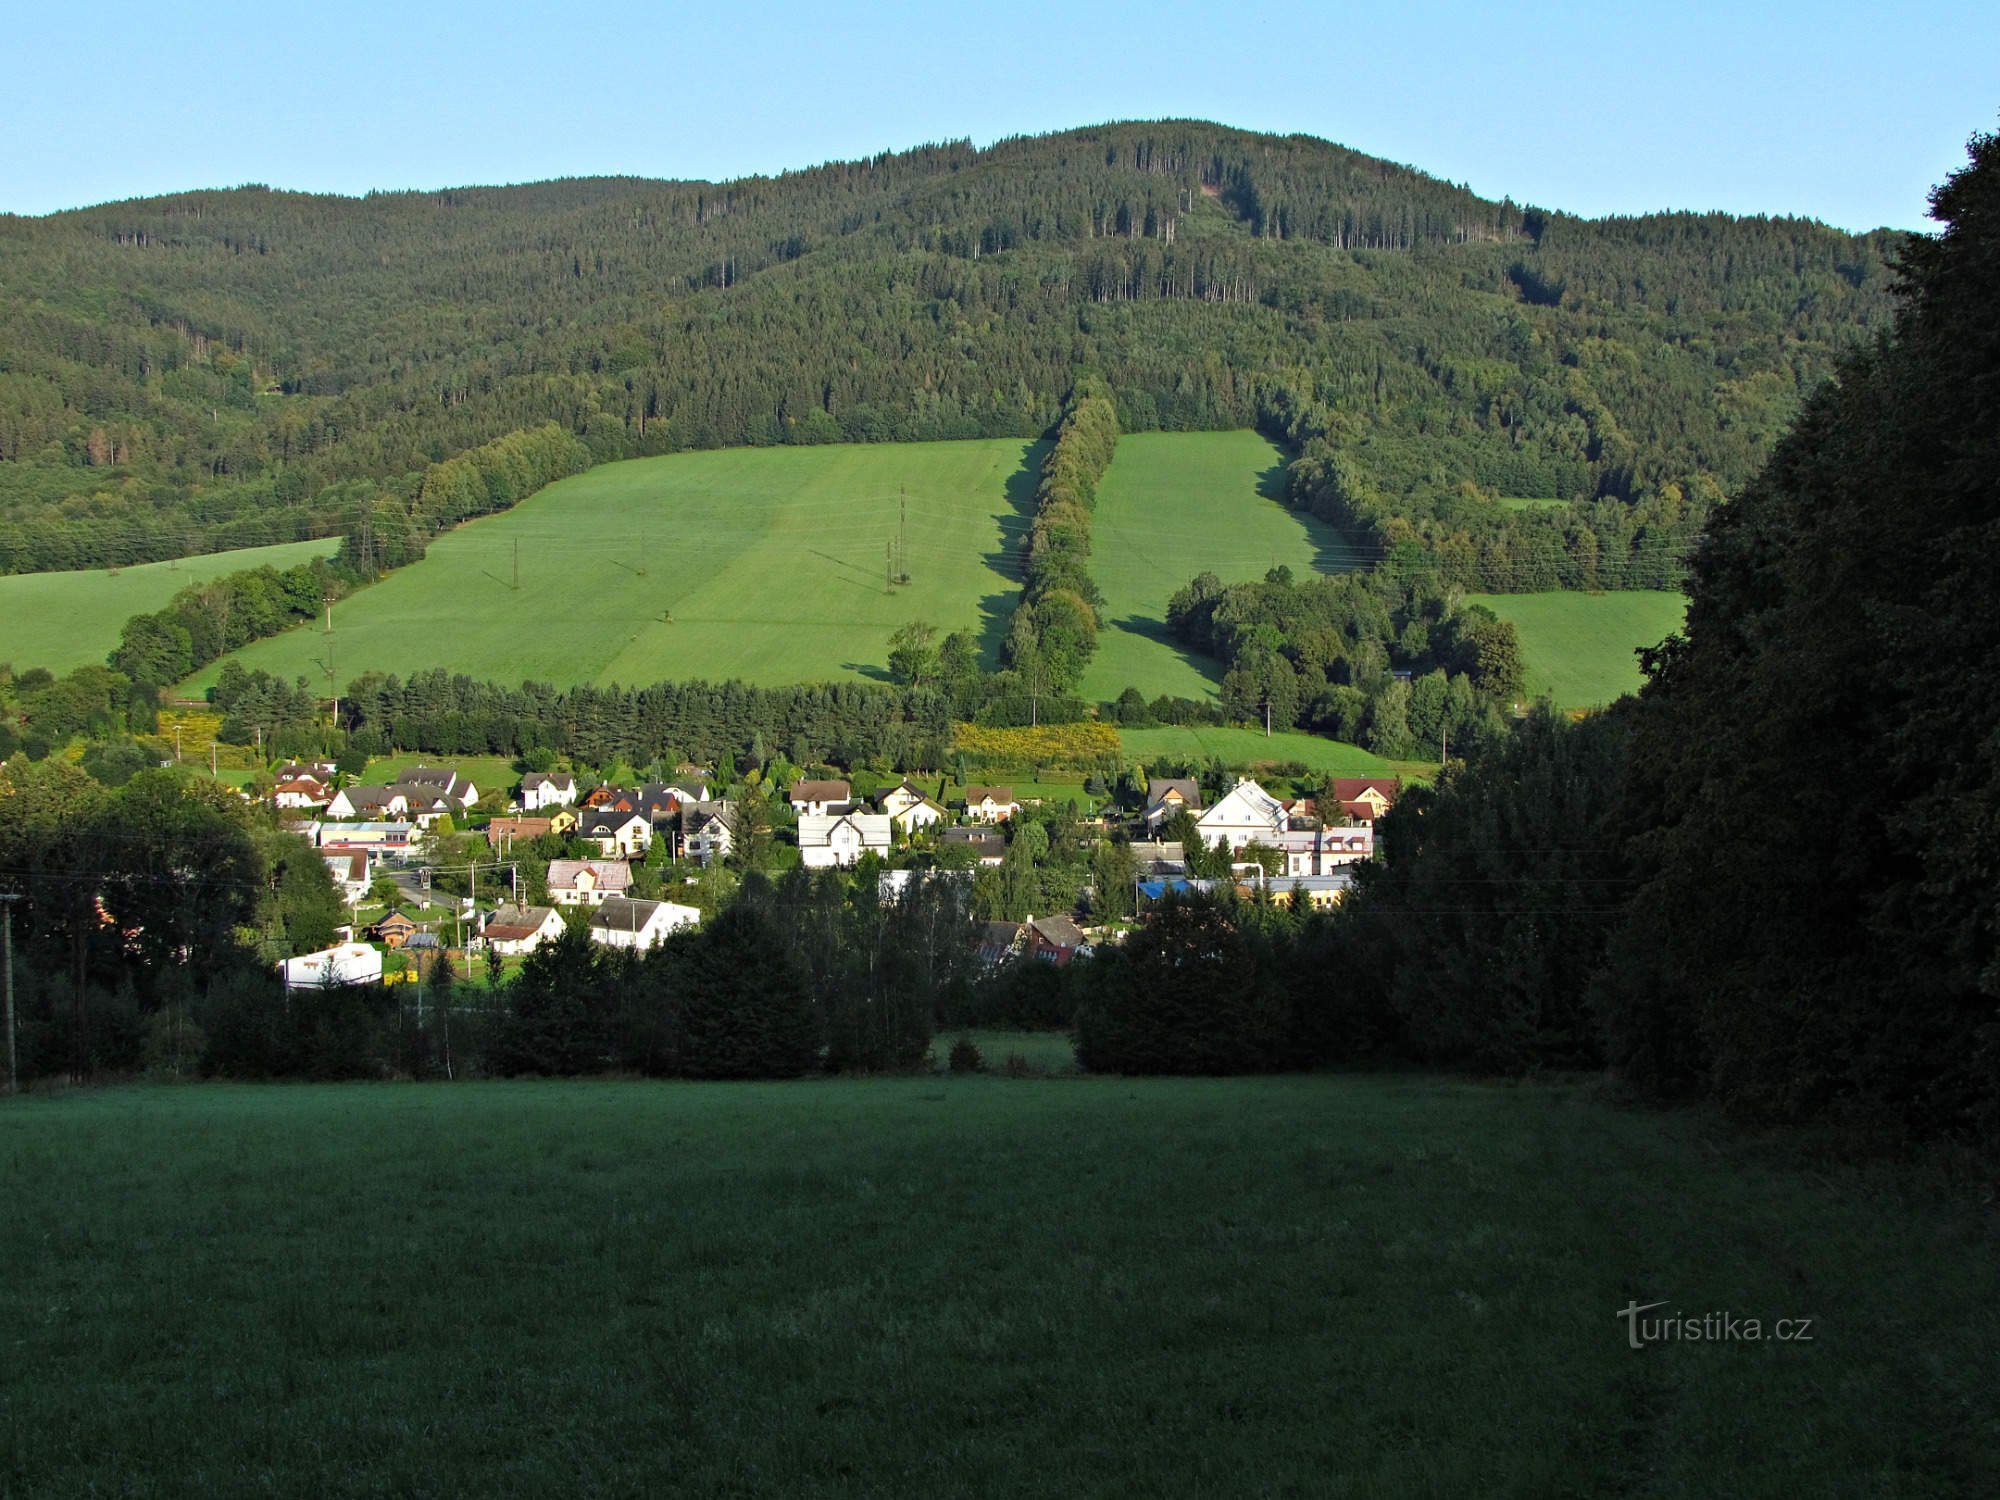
x,y
586,882
1319,851
350,874
514,930
350,963
909,809
620,923
818,798
540,789
617,833
1248,814
439,782
368,802
300,793
830,839
990,804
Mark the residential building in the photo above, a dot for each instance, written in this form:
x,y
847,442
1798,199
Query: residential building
x,y
830,839
350,875
1052,940
377,838
503,833
587,882
999,942
1166,796
440,781
987,847
622,923
990,804
541,790
1248,814
1319,851
378,802
394,930
515,930
908,809
819,798
708,831
616,834
1365,798
1155,858
300,794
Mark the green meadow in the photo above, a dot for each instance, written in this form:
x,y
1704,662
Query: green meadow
x,y
1580,648
1249,749
964,1286
1173,505
67,620
765,564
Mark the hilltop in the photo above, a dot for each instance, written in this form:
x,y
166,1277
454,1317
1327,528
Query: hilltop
x,y
229,368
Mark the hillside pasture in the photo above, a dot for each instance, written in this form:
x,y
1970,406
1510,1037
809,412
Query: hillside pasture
x,y
66,620
955,1286
1174,504
1249,749
765,564
1581,648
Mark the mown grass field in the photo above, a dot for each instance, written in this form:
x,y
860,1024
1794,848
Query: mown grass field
x,y
770,562
965,1286
67,620
1249,748
1173,505
1580,647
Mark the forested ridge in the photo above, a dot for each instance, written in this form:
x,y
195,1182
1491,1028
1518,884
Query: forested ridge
x,y
225,368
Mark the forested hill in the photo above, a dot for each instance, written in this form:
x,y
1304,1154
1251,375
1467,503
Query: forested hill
x,y
217,369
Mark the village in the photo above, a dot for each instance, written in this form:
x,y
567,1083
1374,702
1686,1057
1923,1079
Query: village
x,y
434,866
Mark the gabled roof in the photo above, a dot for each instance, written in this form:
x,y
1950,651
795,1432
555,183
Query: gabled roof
x,y
1004,795
1186,787
816,829
562,781
1350,788
977,836
622,915
347,866
1061,932
600,821
515,924
1247,800
609,874
822,791
394,919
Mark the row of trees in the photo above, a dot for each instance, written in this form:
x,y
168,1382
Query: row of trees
x,y
1054,629
205,621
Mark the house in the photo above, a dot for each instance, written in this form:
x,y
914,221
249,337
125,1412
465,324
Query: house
x,y
1052,940
998,942
545,789
322,771
628,834
990,804
426,807
1166,796
394,930
708,831
829,839
1365,798
350,963
514,930
439,781
300,793
502,832
586,882
818,798
987,848
1322,892
368,802
620,923
908,809
611,796
350,875
1319,851
1248,814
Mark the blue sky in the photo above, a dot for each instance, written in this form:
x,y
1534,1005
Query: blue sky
x,y
1847,113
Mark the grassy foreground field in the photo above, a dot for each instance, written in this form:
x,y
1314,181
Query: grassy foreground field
x,y
1173,505
949,1286
1580,647
770,562
66,620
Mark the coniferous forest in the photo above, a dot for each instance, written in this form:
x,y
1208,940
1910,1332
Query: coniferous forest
x,y
226,368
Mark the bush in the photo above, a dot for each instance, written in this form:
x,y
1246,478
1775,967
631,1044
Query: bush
x,y
965,1056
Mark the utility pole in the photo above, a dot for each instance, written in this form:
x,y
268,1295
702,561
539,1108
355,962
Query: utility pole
x,y
7,983
517,565
888,567
214,766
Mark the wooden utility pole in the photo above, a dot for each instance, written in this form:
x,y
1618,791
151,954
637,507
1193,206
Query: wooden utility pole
x,y
517,565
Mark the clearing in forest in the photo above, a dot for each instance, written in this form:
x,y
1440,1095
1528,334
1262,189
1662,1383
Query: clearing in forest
x,y
1581,649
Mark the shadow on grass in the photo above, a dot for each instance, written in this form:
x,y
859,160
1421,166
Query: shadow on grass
x,y
1333,551
1008,560
868,670
1156,630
